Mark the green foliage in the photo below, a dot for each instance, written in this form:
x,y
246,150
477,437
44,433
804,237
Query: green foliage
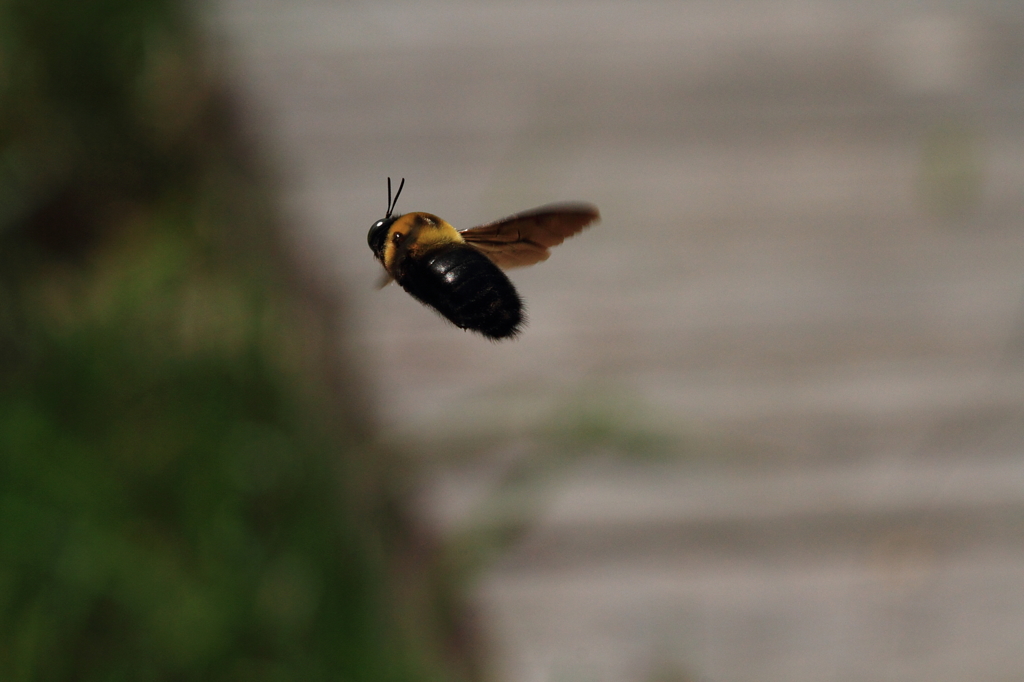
x,y
182,494
169,511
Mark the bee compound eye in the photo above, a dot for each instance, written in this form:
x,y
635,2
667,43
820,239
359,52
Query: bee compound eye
x,y
378,234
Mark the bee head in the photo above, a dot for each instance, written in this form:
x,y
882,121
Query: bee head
x,y
378,234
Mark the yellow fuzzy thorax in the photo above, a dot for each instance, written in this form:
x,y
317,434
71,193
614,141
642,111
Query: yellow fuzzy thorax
x,y
426,232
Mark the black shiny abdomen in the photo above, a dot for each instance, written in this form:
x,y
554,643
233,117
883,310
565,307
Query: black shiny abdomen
x,y
465,286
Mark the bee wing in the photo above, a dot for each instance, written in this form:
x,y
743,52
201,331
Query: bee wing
x,y
524,238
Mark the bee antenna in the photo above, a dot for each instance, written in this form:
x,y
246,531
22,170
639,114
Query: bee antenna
x,y
392,204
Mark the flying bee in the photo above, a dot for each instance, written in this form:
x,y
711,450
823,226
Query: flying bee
x,y
459,273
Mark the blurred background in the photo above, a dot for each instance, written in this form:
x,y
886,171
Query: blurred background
x,y
765,423
766,420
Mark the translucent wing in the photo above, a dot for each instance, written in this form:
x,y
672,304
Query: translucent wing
x,y
524,238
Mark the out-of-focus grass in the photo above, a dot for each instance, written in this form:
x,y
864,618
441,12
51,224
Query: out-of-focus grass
x,y
951,174
596,420
515,469
185,489
173,507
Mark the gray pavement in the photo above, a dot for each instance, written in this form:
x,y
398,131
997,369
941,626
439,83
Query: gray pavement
x,y
808,277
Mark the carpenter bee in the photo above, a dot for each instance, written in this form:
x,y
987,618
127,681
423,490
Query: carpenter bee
x,y
459,273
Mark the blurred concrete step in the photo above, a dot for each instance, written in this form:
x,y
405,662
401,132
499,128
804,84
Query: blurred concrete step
x,y
620,514
884,571
899,613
